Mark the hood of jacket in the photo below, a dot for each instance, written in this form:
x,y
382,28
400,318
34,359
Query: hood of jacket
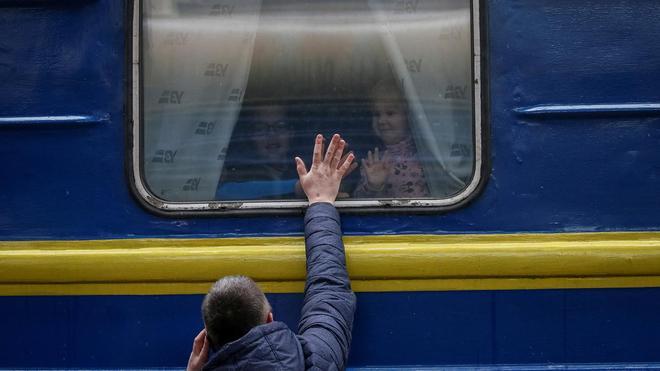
x,y
272,346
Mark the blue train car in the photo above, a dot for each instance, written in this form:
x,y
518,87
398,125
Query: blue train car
x,y
126,126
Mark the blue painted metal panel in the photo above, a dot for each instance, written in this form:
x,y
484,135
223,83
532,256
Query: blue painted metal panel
x,y
565,170
548,174
539,320
424,328
41,121
550,110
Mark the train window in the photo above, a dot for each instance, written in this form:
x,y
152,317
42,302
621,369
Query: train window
x,y
228,92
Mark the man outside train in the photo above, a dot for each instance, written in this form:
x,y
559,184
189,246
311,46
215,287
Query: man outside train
x,y
239,327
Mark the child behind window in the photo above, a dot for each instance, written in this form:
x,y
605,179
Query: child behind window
x,y
259,166
393,171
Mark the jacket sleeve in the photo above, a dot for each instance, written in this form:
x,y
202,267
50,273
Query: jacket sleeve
x,y
329,305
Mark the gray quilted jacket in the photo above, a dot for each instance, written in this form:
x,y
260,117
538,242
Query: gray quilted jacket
x,y
324,331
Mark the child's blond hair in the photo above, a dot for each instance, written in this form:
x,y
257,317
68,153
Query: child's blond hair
x,y
387,90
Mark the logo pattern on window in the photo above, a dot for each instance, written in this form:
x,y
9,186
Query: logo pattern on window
x,y
234,89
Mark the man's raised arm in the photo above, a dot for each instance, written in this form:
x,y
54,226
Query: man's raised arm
x,y
329,306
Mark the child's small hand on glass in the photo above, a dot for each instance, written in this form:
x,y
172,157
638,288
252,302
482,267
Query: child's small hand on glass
x,y
377,169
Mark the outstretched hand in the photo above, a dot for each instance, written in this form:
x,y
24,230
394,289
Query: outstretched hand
x,y
200,352
377,169
321,182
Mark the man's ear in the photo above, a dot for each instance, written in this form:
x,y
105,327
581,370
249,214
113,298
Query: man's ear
x,y
269,319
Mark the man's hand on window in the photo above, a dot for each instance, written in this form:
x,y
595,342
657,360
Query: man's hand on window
x,y
321,183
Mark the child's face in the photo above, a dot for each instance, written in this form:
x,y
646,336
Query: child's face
x,y
389,121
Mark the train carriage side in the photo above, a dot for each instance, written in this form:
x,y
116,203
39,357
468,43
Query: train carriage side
x,y
547,256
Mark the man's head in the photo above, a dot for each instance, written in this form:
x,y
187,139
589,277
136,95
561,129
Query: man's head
x,y
233,306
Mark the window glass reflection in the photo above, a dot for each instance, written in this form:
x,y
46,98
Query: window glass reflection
x,y
233,90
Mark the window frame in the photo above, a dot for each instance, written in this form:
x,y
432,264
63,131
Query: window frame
x,y
135,138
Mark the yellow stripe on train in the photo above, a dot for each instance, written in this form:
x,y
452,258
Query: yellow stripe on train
x,y
376,263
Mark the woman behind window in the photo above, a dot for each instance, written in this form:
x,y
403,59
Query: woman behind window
x,y
259,163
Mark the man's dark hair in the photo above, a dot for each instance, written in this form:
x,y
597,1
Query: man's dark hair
x,y
233,306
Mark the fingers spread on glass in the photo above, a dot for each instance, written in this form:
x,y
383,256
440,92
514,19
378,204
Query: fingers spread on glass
x,y
300,167
318,150
332,147
336,157
321,183
352,166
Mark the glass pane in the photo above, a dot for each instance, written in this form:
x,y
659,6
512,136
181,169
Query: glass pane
x,y
233,90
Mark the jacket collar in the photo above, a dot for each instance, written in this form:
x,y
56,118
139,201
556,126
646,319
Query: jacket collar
x,y
250,341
